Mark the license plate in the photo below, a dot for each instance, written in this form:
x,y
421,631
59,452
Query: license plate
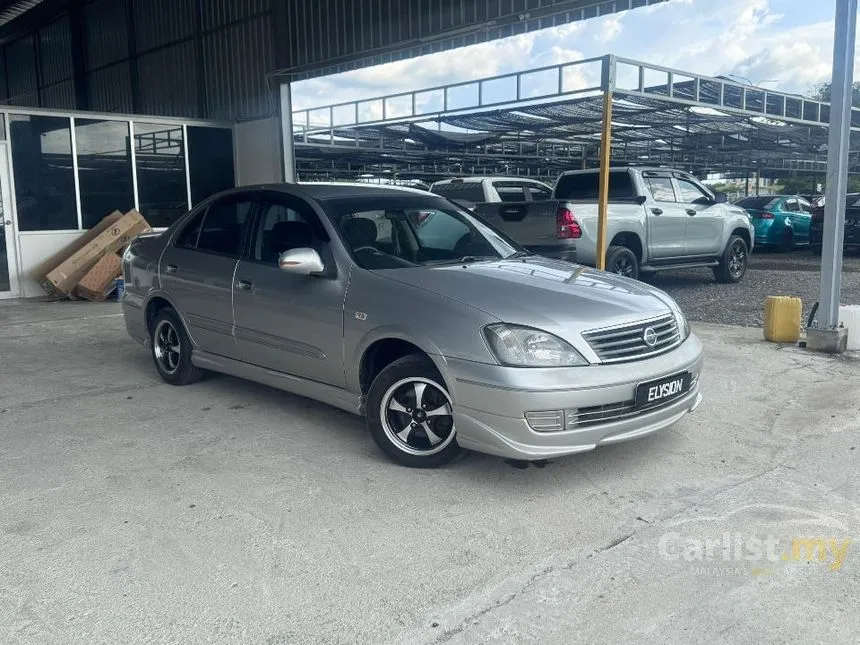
x,y
663,390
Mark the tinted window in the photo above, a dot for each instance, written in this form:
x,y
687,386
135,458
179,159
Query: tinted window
x,y
661,188
791,206
44,175
104,168
161,182
187,239
586,186
223,225
690,192
467,191
285,226
510,192
757,203
539,193
210,161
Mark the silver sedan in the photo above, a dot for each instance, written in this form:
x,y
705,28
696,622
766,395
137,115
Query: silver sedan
x,y
403,307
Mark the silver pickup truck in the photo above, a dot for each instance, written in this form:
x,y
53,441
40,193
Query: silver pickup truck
x,y
658,219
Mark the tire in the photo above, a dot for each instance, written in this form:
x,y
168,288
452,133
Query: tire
x,y
171,349
402,431
786,241
734,262
621,260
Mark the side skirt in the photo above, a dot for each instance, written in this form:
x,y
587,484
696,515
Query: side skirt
x,y
328,394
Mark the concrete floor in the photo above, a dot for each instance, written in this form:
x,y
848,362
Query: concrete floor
x,y
226,512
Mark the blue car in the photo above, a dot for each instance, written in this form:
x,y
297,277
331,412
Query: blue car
x,y
781,221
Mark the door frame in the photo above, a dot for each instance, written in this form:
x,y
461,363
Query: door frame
x,y
7,195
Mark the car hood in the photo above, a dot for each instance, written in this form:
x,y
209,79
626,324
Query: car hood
x,y
552,295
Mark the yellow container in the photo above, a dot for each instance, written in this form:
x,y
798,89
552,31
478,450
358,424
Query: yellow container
x,y
782,319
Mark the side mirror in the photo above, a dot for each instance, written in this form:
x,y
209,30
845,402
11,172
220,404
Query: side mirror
x,y
720,198
641,199
304,261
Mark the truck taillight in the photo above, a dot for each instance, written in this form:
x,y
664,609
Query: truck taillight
x,y
566,225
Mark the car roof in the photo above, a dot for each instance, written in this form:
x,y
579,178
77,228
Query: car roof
x,y
480,179
333,190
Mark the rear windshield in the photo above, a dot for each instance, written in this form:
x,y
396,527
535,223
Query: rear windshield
x,y
586,186
758,203
468,191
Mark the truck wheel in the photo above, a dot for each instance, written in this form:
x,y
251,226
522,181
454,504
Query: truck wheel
x,y
621,260
733,264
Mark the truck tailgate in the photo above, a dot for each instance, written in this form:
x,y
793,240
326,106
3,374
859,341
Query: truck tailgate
x,y
532,224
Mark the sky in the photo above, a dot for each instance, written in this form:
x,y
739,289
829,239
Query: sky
x,y
778,44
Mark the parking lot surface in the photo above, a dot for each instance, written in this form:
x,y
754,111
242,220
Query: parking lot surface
x,y
770,274
132,511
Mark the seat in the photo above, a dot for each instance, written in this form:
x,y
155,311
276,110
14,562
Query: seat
x,y
285,236
358,232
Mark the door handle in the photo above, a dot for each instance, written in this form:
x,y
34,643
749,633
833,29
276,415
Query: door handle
x,y
690,212
657,211
8,222
245,285
171,268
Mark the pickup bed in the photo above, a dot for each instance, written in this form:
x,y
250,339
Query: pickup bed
x,y
658,219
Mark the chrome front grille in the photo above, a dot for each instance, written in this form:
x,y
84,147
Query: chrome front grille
x,y
628,342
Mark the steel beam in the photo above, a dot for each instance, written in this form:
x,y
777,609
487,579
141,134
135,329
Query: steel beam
x,y
837,163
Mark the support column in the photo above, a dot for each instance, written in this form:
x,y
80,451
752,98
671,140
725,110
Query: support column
x,y
837,163
608,83
287,142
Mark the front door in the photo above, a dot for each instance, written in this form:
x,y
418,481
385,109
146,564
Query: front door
x,y
8,256
704,220
197,270
667,220
284,322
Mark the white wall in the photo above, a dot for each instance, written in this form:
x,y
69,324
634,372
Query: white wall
x,y
258,152
36,247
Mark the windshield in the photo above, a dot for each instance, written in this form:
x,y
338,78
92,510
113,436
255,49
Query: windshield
x,y
396,232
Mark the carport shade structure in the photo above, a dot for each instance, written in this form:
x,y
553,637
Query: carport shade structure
x,y
607,110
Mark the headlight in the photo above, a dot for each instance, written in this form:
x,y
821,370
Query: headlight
x,y
683,325
526,347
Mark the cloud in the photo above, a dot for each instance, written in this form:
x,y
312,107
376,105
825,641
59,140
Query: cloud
x,y
610,29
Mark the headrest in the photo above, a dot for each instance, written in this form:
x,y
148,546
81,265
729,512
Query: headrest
x,y
359,231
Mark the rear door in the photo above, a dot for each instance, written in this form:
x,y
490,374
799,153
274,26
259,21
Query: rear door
x,y
667,219
285,322
197,271
799,211
704,235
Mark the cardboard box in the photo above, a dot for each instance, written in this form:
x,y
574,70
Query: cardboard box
x,y
117,235
99,280
55,260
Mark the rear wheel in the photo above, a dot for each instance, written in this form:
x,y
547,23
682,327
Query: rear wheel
x,y
171,349
621,260
410,414
733,264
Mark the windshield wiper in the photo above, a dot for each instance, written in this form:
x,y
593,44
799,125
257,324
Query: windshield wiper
x,y
466,259
520,254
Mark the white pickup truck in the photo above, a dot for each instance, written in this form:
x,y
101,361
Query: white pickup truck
x,y
659,219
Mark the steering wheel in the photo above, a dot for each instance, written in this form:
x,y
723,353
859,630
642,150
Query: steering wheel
x,y
372,249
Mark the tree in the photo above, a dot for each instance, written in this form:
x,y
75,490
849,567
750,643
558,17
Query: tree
x,y
823,93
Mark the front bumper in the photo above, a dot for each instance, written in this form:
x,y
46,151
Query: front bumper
x,y
491,402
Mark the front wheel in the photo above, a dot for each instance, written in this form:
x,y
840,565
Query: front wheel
x,y
410,414
733,264
622,261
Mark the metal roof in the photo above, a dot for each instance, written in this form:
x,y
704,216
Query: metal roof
x,y
689,121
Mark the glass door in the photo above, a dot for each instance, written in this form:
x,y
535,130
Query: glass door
x,y
8,256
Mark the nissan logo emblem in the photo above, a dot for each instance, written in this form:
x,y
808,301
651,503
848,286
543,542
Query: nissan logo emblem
x,y
650,336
